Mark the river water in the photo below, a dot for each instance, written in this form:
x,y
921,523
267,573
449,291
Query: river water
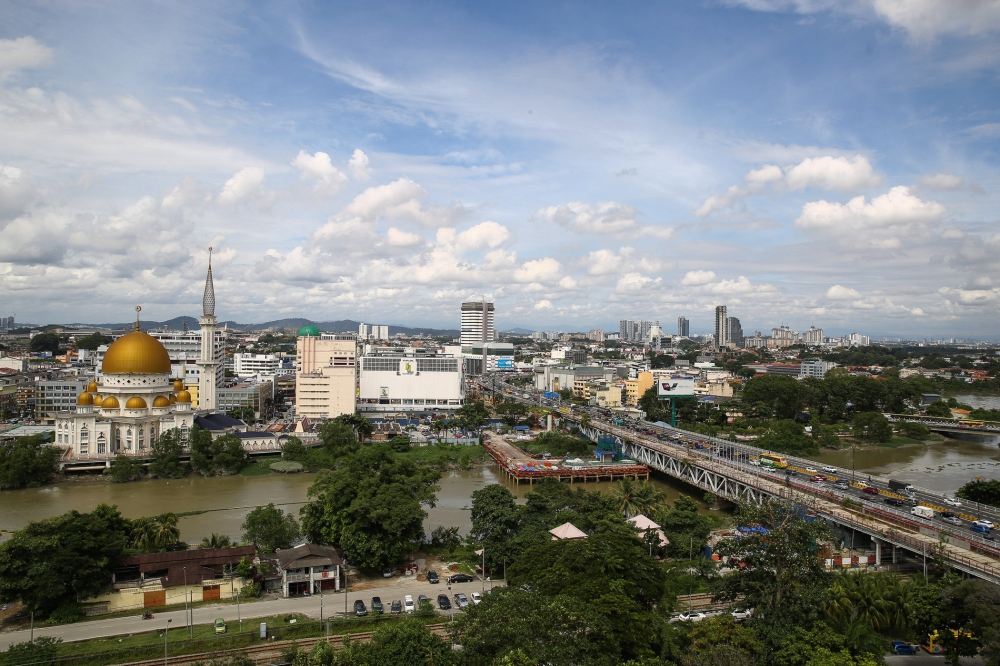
x,y
230,498
942,466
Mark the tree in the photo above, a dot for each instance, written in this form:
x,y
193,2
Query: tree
x,y
294,450
511,413
774,395
826,436
408,642
124,469
913,430
872,427
62,559
495,522
93,341
787,436
940,409
40,652
217,541
981,490
474,414
222,455
370,506
155,534
45,342
637,497
27,462
338,439
400,443
685,529
166,456
268,528
720,640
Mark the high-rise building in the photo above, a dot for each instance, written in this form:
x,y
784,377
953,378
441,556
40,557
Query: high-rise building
x,y
735,331
683,327
858,340
325,374
721,326
249,365
782,337
477,323
596,334
814,336
373,332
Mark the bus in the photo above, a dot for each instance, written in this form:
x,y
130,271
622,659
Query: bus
x,y
773,460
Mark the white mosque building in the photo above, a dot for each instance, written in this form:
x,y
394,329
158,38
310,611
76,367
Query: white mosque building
x,y
137,400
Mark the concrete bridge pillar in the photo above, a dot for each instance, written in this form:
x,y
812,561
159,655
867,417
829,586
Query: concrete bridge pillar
x,y
878,552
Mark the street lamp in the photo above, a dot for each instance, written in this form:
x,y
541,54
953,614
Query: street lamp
x,y
187,623
165,632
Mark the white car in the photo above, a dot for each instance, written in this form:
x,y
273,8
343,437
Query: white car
x,y
830,470
408,606
740,614
984,523
476,598
691,616
951,501
812,471
755,463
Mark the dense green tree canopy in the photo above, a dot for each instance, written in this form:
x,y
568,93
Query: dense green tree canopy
x,y
222,455
269,528
93,341
27,462
986,491
166,456
871,427
45,342
787,436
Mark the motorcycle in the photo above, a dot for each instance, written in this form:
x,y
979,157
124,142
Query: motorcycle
x,y
147,615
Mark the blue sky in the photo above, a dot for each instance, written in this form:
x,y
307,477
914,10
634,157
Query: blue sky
x,y
808,162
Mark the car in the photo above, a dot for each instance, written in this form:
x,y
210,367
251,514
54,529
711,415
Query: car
x,y
954,520
978,528
947,514
691,616
985,523
359,608
892,501
376,606
396,608
421,599
477,598
432,577
741,614
461,601
220,625
461,578
812,471
387,572
443,602
951,501
830,470
408,605
902,647
755,462
818,478
842,484
870,490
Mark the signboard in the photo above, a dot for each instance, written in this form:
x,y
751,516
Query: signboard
x,y
505,363
407,367
674,387
383,392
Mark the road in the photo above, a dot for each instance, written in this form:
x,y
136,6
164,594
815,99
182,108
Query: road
x,y
333,605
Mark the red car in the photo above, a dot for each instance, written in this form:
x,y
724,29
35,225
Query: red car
x,y
871,491
819,478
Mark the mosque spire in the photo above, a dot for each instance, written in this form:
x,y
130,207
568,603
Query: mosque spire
x,y
208,302
138,309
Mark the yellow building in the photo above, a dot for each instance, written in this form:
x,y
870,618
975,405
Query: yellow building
x,y
635,388
325,374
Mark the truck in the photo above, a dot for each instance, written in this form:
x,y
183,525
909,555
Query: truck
x,y
900,486
922,511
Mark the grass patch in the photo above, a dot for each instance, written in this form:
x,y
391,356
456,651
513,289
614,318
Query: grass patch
x,y
446,456
149,644
897,442
259,466
559,445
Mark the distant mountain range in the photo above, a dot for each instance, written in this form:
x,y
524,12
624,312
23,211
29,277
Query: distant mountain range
x,y
341,326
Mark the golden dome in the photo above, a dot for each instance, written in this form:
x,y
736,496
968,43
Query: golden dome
x,y
84,399
160,401
183,396
178,385
92,387
173,399
136,353
135,403
111,402
97,400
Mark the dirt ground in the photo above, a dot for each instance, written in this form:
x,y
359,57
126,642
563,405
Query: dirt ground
x,y
425,562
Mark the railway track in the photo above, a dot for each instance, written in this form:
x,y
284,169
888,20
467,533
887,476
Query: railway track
x,y
270,652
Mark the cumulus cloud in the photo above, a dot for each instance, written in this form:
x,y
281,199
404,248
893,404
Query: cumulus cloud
x,y
604,217
17,191
883,222
329,179
246,184
972,297
359,165
398,238
841,293
635,283
946,182
22,53
827,172
544,304
545,270
697,278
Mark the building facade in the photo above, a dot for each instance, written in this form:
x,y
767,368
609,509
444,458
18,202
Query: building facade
x,y
813,337
782,337
56,395
735,332
721,326
410,379
814,367
477,323
325,374
683,327
249,365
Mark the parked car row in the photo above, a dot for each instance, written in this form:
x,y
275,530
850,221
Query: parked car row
x,y
408,605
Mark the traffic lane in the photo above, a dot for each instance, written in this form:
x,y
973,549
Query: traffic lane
x,y
332,605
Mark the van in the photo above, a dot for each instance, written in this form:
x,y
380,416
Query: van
x,y
922,511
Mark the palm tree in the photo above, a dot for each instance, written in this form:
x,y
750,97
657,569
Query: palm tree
x,y
625,497
165,530
647,498
217,541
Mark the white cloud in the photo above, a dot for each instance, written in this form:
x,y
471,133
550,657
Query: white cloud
x,y
23,53
604,217
359,165
318,167
485,234
545,270
841,293
971,297
246,184
543,305
398,238
882,223
634,283
16,191
697,278
942,181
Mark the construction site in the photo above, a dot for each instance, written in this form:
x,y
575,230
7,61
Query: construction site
x,y
607,464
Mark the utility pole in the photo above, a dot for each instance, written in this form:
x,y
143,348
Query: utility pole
x,y
165,632
187,623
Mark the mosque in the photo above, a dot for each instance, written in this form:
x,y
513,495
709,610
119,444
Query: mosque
x,y
137,400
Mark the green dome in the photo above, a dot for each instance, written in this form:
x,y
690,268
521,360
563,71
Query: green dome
x,y
309,330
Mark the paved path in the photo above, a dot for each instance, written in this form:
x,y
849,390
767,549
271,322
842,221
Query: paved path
x,y
333,605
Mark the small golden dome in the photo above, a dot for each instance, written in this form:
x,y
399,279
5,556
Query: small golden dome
x,y
136,353
160,401
135,403
97,400
173,399
183,396
92,387
111,402
84,399
178,385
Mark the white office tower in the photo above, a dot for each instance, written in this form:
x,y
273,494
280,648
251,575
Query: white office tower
x,y
477,323
207,363
722,336
364,331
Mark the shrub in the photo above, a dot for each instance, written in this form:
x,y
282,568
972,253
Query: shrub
x,y
124,469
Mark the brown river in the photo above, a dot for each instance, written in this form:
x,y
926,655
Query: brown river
x,y
942,466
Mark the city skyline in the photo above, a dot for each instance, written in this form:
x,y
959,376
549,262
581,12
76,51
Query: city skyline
x,y
828,164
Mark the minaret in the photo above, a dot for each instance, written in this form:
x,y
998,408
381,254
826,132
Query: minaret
x,y
207,364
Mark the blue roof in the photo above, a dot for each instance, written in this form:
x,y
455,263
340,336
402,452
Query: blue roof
x,y
217,422
256,433
522,428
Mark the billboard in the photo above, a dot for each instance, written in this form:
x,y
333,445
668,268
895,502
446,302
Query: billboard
x,y
505,363
674,387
